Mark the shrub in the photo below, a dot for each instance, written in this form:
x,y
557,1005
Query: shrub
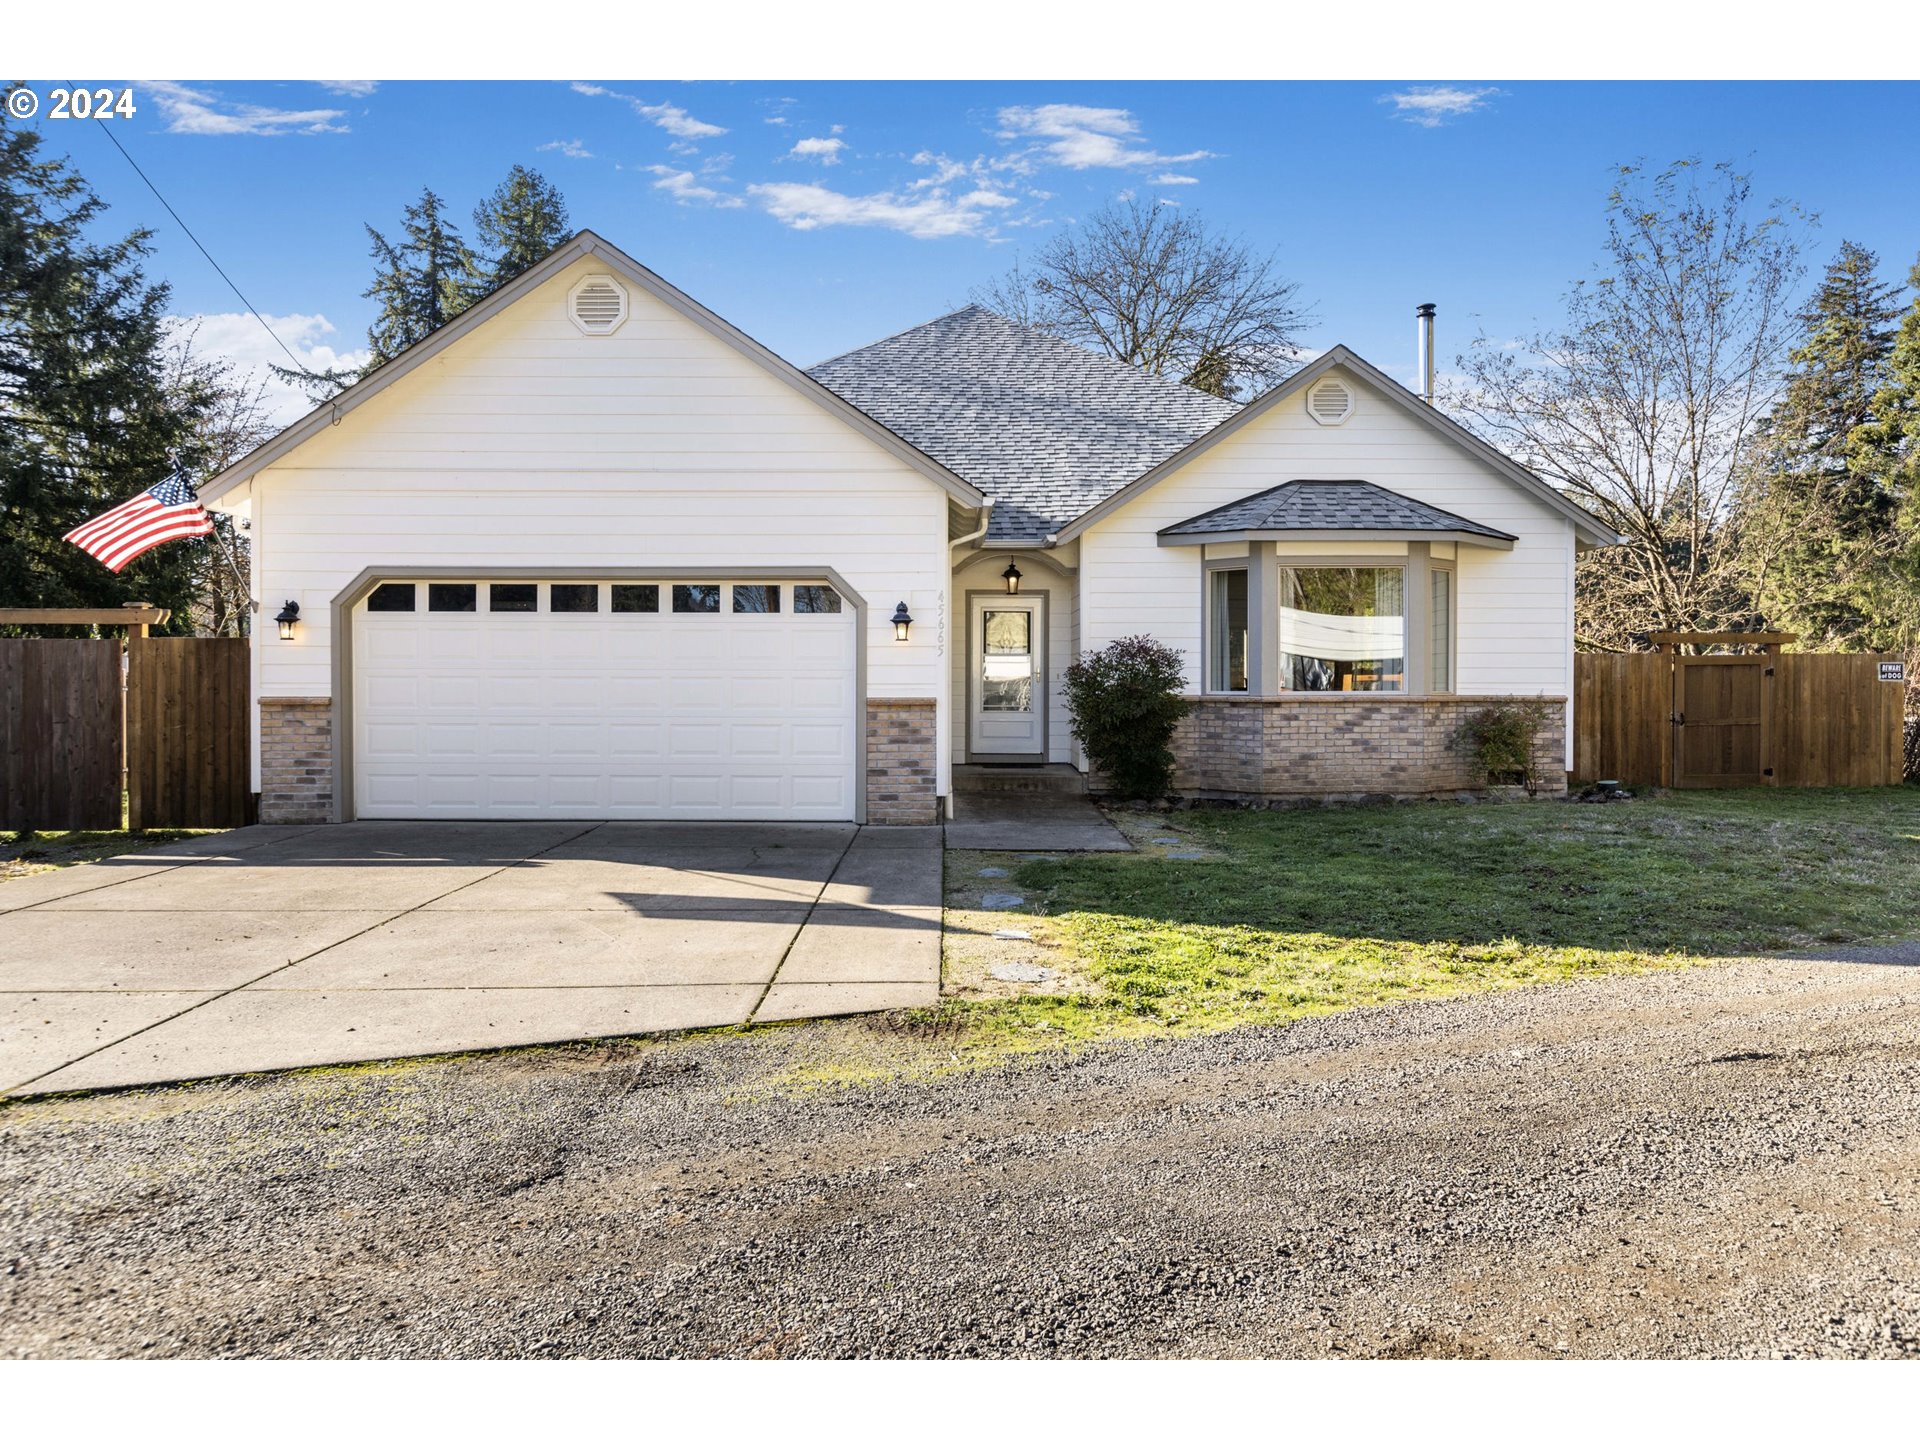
x,y
1124,702
1500,738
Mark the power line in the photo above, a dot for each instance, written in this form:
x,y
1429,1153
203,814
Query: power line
x,y
298,364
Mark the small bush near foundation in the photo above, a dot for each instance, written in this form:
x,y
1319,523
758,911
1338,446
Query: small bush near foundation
x,y
1500,738
1124,702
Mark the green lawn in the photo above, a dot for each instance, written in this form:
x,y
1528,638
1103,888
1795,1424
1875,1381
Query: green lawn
x,y
27,852
1296,913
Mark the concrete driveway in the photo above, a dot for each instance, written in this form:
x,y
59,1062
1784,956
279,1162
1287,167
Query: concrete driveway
x,y
274,947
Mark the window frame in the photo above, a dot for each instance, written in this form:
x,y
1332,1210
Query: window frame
x,y
1210,569
1402,563
1450,569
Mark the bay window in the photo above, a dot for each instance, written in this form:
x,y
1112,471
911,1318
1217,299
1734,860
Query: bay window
x,y
1440,614
1227,630
1343,628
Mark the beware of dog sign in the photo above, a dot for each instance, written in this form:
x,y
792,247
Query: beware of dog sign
x,y
1894,670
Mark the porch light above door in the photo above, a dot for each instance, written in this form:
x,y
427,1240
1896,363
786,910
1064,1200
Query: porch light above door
x,y
1012,576
902,621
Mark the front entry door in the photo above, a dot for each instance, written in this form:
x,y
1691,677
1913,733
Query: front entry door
x,y
1007,694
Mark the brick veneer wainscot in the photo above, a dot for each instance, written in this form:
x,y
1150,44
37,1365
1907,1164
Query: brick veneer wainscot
x,y
296,760
901,786
1253,747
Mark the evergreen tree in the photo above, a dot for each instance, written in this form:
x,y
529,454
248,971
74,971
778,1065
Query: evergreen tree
x,y
1816,517
88,416
520,223
1892,444
422,282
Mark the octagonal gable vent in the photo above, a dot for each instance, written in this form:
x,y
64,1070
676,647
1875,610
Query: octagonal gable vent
x,y
597,305
1330,401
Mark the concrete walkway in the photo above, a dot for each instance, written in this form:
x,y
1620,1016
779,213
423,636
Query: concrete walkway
x,y
1031,822
276,947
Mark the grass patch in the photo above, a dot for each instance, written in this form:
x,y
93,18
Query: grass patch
x,y
28,852
1301,913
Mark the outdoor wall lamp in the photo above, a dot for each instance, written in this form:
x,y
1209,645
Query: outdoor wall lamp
x,y
288,617
902,621
1012,576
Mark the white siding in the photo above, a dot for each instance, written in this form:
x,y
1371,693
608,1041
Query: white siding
x,y
1036,578
530,444
1514,607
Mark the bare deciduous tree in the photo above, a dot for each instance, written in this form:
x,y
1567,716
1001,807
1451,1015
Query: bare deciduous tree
x,y
1641,404
1151,286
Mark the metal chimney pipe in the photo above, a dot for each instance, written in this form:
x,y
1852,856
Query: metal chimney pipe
x,y
1424,322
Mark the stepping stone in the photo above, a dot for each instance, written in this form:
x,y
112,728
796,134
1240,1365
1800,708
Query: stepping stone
x,y
1002,900
991,872
1023,974
1013,935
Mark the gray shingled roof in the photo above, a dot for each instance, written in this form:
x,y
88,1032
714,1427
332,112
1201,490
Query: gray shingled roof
x,y
1330,505
1043,427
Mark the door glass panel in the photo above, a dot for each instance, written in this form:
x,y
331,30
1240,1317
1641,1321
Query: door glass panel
x,y
1006,667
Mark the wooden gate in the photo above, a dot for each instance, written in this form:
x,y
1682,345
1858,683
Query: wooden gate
x,y
1720,715
188,714
1706,720
60,735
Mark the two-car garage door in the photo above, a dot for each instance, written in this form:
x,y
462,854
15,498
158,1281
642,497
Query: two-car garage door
x,y
616,699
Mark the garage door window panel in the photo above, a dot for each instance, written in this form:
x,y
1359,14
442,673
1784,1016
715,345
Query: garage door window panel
x,y
696,599
575,599
756,599
453,599
816,600
636,599
513,599
391,599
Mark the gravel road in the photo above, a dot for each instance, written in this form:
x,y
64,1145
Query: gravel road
x,y
1721,1161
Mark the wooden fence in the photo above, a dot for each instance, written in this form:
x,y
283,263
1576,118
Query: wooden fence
x,y
188,707
1799,720
169,730
60,734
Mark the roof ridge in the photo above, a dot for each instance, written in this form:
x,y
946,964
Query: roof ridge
x,y
884,339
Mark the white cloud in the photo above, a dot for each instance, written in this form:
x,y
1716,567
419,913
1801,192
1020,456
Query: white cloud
x,y
685,186
201,112
239,339
1172,179
825,150
1430,106
358,89
572,149
1086,137
670,118
925,215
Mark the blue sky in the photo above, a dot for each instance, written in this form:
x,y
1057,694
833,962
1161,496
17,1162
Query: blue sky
x,y
818,216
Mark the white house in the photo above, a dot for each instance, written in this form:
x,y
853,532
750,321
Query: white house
x,y
589,551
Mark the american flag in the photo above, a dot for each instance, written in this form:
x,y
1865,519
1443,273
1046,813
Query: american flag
x,y
168,511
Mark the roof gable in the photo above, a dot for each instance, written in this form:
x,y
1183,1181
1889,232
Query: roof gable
x,y
584,246
1385,387
1043,426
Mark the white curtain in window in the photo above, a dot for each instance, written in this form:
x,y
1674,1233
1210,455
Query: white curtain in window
x,y
1342,637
